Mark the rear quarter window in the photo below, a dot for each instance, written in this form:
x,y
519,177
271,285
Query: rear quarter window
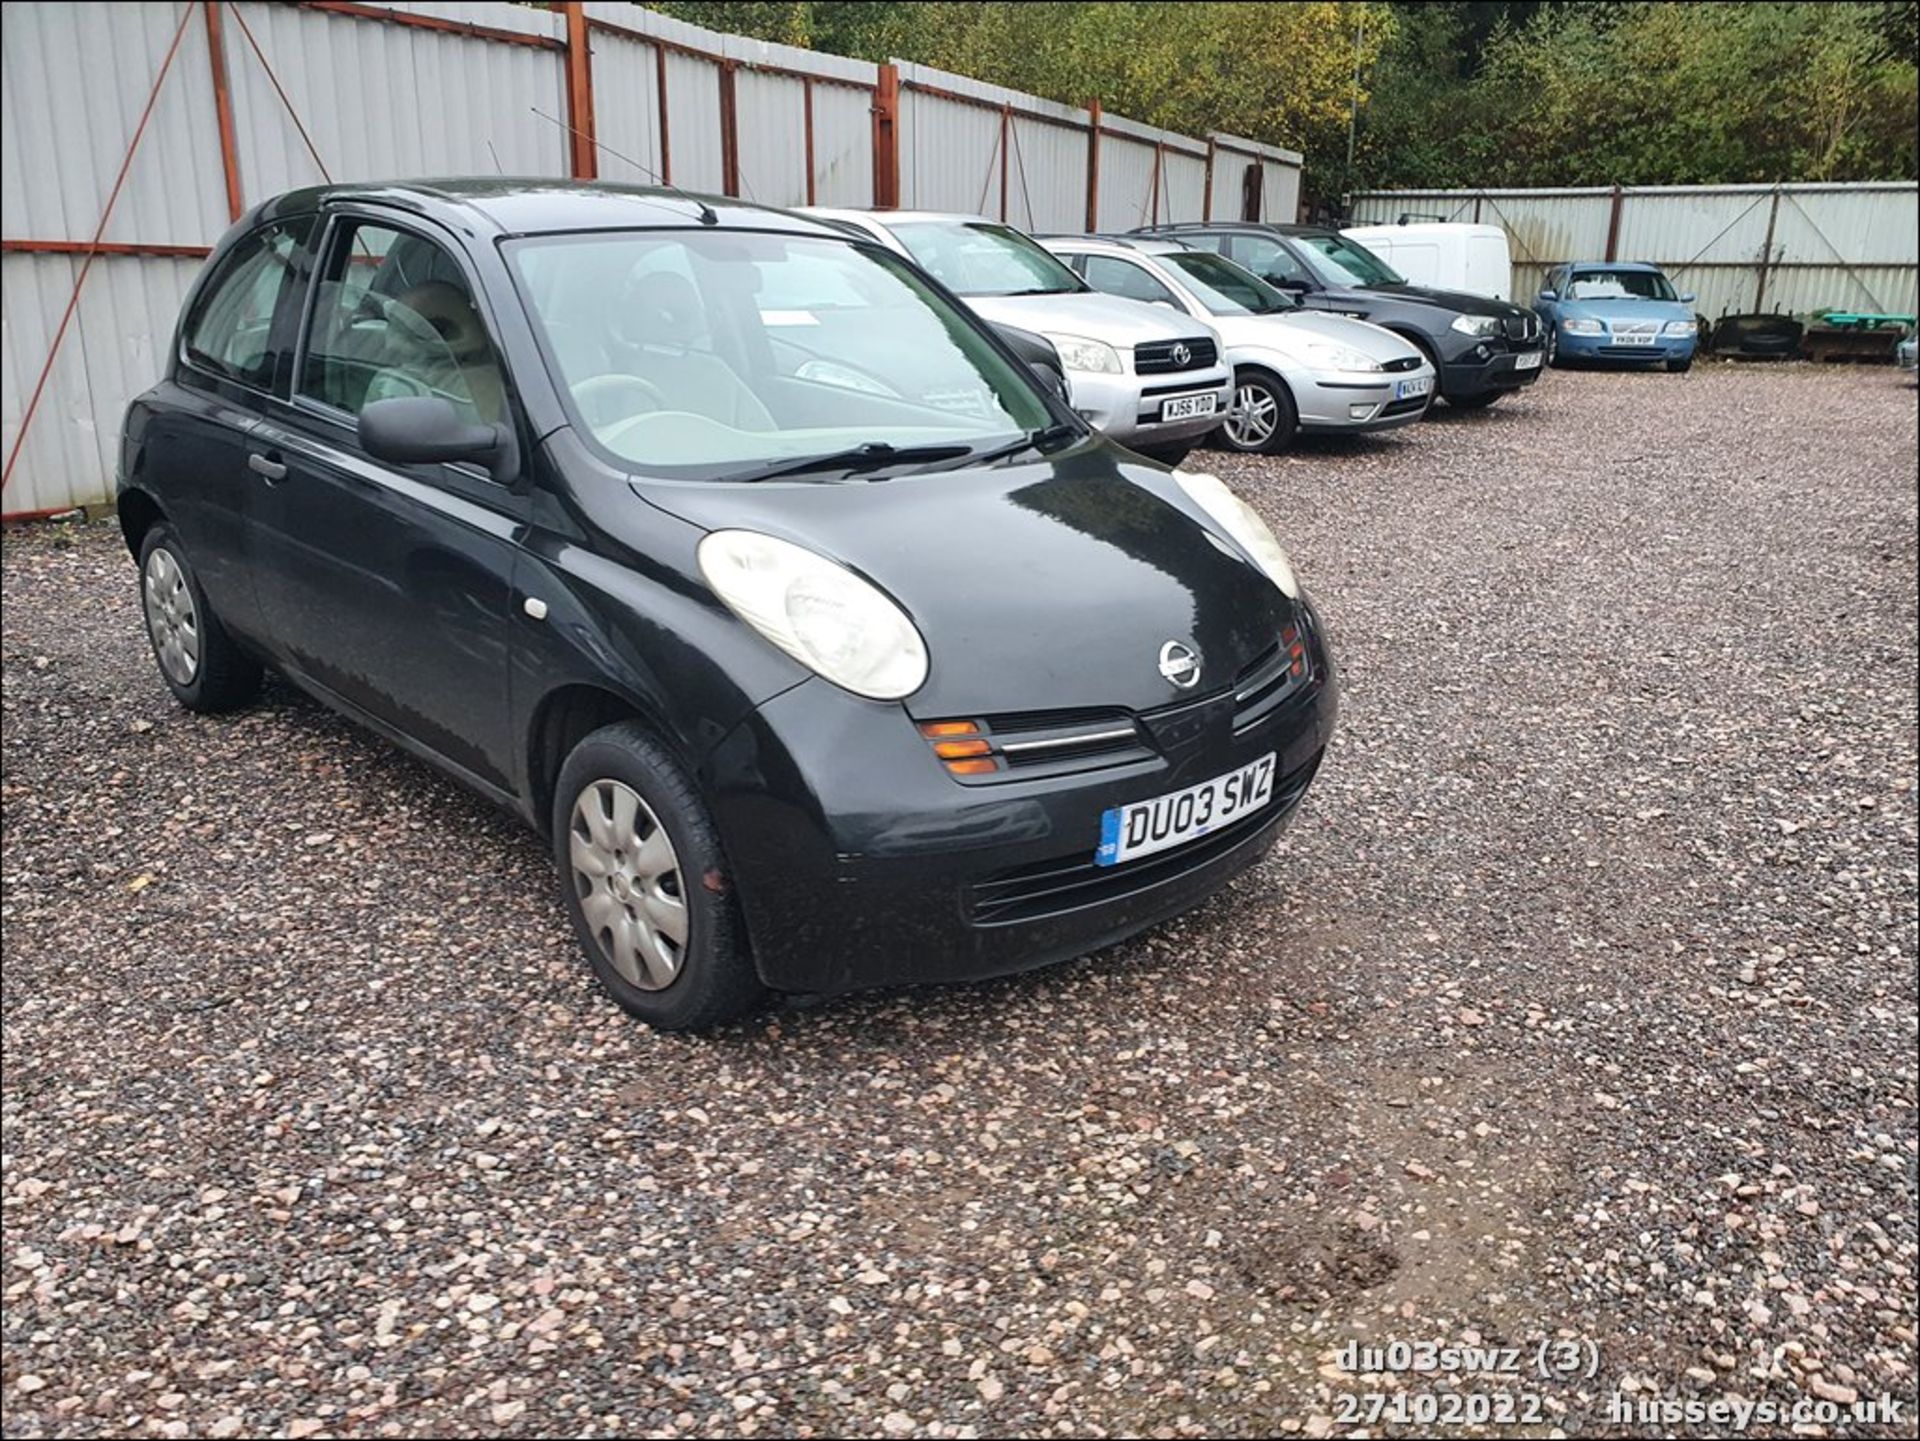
x,y
230,329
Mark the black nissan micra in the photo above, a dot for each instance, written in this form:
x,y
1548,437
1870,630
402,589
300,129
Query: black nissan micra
x,y
829,645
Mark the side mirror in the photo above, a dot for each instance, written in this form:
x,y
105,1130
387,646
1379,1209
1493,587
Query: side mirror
x,y
1054,382
1293,285
1687,299
427,430
1548,295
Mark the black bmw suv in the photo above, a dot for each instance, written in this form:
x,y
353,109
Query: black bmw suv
x,y
1481,348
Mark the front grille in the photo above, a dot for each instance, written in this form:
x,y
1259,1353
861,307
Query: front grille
x,y
1410,362
1403,407
1158,357
1634,327
1065,883
1521,327
1034,743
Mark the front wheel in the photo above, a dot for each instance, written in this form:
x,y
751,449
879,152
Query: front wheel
x,y
1263,419
202,665
646,885
1680,366
1553,345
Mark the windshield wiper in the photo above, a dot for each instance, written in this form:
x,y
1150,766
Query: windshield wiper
x,y
1040,440
869,456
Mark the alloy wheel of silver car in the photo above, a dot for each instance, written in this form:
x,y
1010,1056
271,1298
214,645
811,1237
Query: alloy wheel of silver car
x,y
1253,416
172,620
627,876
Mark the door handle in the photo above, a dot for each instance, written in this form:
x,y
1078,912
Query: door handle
x,y
265,465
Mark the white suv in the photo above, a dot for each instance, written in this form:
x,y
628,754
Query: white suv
x,y
1150,377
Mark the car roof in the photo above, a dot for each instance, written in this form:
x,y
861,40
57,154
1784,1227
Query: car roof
x,y
1138,244
1258,226
510,205
1613,265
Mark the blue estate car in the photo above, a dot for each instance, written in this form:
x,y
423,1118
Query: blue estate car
x,y
1616,310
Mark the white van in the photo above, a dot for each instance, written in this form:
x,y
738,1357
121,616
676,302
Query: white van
x,y
1447,255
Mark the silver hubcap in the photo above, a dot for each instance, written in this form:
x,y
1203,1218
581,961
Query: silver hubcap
x,y
627,877
171,618
1254,416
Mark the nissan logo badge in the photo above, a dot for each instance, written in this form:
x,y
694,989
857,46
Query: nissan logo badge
x,y
1180,664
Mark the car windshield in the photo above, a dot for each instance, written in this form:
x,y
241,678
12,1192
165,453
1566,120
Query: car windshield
x,y
1619,285
1223,287
715,354
1339,261
977,258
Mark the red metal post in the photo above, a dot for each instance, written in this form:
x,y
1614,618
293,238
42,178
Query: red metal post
x,y
104,247
806,102
729,130
1766,253
1006,121
660,89
1206,196
1613,227
1093,168
86,266
223,110
1159,161
886,139
582,154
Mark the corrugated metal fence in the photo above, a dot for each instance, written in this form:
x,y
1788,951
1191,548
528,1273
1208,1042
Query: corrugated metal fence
x,y
1738,248
132,134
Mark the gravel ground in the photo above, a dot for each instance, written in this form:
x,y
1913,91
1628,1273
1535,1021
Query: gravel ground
x,y
1578,1005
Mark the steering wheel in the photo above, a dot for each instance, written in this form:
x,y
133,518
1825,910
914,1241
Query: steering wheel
x,y
596,397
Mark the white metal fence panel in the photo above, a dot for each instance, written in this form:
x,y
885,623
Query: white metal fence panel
x,y
1047,188
115,348
693,122
77,78
949,155
1733,247
626,107
1280,190
383,101
771,111
1183,185
842,145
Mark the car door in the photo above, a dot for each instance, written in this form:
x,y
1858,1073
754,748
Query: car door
x,y
237,334
388,587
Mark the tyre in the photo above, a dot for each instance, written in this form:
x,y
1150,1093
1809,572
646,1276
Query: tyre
x,y
1553,345
1169,454
202,665
635,846
1680,367
1263,418
1480,400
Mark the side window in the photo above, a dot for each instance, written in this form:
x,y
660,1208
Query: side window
x,y
1268,259
1123,277
230,329
393,317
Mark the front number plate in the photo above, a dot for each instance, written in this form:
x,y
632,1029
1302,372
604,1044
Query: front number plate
x,y
1636,337
1140,829
1419,385
1182,406
1527,360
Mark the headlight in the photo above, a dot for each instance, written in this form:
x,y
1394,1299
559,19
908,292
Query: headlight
x,y
1681,327
1079,353
1339,357
1237,519
1580,325
1477,324
820,613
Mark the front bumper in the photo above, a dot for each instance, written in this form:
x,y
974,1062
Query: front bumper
x,y
859,862
1606,347
1127,407
1351,403
1480,368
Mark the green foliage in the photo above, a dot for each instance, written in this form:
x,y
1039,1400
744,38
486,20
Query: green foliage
x,y
1646,94
1488,92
